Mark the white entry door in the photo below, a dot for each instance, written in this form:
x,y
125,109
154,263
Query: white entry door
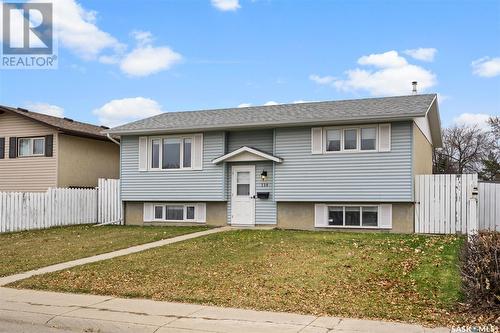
x,y
243,195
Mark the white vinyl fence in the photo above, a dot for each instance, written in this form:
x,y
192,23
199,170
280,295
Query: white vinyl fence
x,y
489,206
444,204
60,207
449,204
110,206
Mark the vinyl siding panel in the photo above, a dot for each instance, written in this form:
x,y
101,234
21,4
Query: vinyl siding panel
x,y
346,177
26,173
265,209
258,139
173,185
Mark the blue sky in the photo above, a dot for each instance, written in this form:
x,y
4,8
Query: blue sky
x,y
121,60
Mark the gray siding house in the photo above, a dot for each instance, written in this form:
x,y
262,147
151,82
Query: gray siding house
x,y
324,165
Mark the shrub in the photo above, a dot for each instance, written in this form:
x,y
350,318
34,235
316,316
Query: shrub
x,y
480,269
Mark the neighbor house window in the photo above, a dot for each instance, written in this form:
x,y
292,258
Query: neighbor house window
x,y
186,160
353,216
171,153
368,138
333,140
155,154
350,139
31,146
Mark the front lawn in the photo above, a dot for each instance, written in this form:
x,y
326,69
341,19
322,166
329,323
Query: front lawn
x,y
407,278
26,250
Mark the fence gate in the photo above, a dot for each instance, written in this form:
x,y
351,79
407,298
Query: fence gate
x,y
446,204
109,203
489,206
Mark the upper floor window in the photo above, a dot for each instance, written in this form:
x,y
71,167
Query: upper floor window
x,y
351,139
31,146
171,152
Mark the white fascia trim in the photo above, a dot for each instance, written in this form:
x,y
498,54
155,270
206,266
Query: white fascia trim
x,y
249,150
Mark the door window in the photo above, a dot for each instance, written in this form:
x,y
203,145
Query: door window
x,y
242,183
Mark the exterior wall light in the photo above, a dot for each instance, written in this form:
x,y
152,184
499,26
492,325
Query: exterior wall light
x,y
263,176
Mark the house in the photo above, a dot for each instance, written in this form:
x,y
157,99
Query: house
x,y
39,151
338,164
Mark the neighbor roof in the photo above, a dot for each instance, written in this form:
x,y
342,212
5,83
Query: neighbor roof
x,y
356,110
65,125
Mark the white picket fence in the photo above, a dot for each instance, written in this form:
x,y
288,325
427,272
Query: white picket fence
x,y
489,206
449,204
60,207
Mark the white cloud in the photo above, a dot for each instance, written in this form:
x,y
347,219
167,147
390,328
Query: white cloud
x,y
244,105
393,76
120,111
383,60
146,59
486,67
269,103
300,101
423,54
321,79
77,30
473,119
226,5
45,108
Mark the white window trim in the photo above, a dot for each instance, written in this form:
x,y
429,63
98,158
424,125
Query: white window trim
x,y
32,146
164,211
360,217
160,154
342,139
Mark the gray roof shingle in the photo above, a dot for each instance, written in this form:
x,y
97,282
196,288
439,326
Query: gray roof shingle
x,y
284,114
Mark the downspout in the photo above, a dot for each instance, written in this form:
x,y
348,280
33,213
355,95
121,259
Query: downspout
x,y
113,140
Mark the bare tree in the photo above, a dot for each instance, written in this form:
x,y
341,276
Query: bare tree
x,y
464,149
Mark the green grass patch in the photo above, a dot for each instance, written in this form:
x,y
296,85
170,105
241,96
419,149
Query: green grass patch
x,y
407,278
27,250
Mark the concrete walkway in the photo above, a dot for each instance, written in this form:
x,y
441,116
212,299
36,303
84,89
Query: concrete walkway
x,y
134,249
91,313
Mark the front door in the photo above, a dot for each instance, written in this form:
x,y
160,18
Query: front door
x,y
243,195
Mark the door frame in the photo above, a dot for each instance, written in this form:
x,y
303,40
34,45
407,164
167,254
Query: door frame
x,y
252,192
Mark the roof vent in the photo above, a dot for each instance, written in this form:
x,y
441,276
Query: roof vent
x,y
414,90
21,109
105,127
68,119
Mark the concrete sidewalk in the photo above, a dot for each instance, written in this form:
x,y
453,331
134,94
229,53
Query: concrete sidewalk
x,y
91,313
133,249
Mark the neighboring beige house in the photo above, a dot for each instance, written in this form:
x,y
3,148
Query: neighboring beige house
x,y
39,151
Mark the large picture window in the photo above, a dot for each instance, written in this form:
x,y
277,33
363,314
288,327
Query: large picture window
x,y
353,216
171,153
31,147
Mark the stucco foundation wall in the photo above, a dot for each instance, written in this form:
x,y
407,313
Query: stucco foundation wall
x,y
422,153
300,216
83,161
215,215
